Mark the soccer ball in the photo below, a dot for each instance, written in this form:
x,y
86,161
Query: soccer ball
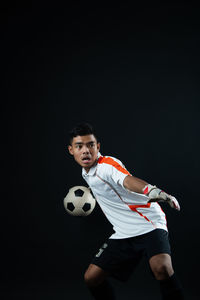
x,y
79,201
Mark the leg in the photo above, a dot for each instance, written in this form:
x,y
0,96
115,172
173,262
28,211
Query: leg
x,y
161,266
95,279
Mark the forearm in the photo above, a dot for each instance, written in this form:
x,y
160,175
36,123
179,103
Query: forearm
x,y
134,184
154,194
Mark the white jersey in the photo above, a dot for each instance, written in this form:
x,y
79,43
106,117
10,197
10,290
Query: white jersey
x,y
128,212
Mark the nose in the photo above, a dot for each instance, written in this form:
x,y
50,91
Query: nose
x,y
85,149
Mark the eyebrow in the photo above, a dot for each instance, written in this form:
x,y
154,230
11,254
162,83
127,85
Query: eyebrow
x,y
80,143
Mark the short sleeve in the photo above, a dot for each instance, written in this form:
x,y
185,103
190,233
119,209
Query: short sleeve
x,y
114,170
119,173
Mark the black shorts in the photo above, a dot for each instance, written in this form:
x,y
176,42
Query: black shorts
x,y
119,257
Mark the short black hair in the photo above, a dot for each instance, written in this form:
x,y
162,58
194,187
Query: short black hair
x,y
81,129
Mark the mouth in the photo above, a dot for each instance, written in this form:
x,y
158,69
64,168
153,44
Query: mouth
x,y
86,159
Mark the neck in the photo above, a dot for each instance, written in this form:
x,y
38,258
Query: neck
x,y
87,170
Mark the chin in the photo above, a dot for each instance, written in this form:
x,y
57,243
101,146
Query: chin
x,y
88,166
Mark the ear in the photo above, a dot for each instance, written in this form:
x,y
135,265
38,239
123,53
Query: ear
x,y
98,146
70,150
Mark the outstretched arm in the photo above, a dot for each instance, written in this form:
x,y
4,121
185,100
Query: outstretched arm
x,y
155,194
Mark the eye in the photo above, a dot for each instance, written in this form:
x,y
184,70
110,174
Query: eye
x,y
78,146
91,145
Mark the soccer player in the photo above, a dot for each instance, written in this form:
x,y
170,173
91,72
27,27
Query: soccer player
x,y
139,223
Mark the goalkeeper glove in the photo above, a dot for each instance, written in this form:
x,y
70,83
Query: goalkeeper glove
x,y
155,195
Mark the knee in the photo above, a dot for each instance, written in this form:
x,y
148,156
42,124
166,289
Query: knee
x,y
94,276
162,271
161,266
90,279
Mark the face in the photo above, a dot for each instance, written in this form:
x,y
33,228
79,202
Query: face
x,y
85,150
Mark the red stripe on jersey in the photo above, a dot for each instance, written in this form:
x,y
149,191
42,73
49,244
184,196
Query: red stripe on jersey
x,y
112,162
134,208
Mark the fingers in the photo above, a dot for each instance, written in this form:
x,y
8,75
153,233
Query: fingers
x,y
174,203
169,199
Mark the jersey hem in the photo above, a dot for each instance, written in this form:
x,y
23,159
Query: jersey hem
x,y
134,235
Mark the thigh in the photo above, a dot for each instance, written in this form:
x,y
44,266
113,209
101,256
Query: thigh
x,y
158,252
160,259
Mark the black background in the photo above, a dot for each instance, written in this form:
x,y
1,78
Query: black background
x,y
132,72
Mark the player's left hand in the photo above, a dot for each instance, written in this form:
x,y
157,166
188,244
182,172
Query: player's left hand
x,y
164,197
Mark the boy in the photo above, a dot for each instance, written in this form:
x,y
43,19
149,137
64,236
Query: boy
x,y
130,204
